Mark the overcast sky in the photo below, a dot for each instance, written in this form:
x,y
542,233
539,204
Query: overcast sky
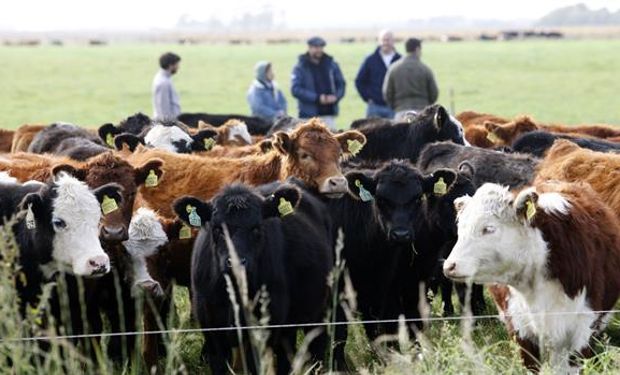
x,y
42,15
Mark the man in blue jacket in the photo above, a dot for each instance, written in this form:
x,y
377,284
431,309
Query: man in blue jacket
x,y
318,84
369,80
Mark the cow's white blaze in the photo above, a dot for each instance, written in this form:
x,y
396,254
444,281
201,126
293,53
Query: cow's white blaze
x,y
162,137
75,217
240,131
146,235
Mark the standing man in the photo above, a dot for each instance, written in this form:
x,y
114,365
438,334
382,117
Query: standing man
x,y
409,84
318,84
369,80
166,103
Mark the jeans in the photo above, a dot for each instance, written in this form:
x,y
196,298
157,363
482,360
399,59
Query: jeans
x,y
378,110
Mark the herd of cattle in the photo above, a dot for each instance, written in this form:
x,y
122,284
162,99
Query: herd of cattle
x,y
532,209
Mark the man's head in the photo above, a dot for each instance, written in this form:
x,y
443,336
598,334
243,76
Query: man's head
x,y
264,72
170,62
315,47
386,41
413,46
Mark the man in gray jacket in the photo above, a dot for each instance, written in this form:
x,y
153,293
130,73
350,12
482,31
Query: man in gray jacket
x,y
409,84
165,98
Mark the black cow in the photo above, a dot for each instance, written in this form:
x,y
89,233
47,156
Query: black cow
x,y
385,240
514,170
406,140
69,140
282,250
371,121
134,124
256,125
538,142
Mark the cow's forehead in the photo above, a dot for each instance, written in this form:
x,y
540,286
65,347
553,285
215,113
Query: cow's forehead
x,y
243,208
490,200
74,202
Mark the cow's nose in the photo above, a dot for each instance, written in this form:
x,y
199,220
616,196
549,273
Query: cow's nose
x,y
337,184
400,235
449,267
114,233
99,264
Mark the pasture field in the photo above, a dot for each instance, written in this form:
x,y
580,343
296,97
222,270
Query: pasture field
x,y
570,81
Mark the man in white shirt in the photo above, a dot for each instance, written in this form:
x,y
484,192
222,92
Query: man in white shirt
x,y
166,103
369,80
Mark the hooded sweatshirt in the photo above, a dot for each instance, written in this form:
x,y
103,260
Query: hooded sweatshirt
x,y
265,99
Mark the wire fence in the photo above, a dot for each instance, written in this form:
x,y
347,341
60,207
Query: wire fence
x,y
306,325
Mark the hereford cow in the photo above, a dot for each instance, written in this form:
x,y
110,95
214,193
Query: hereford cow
x,y
311,152
256,125
555,248
406,140
23,137
537,143
513,170
279,248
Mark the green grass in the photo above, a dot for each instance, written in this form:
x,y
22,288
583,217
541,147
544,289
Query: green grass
x,y
563,81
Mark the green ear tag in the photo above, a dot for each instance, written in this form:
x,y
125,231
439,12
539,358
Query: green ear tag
x,y
108,205
185,232
354,146
151,179
285,207
440,187
531,210
31,223
194,218
209,143
493,138
109,139
365,195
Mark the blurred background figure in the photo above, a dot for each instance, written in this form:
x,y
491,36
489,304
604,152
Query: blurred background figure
x,y
409,84
318,84
265,99
369,80
166,102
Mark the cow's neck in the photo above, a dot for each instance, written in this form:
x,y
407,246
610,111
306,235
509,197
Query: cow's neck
x,y
264,169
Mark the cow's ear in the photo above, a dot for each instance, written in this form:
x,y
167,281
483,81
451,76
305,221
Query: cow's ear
x,y
78,173
460,203
128,140
282,202
204,140
33,204
441,117
107,132
491,127
282,143
204,125
496,133
109,191
149,173
265,145
192,211
351,142
361,186
526,205
467,170
439,182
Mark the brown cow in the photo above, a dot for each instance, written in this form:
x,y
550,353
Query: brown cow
x,y
468,118
232,133
478,136
565,161
6,140
311,153
23,137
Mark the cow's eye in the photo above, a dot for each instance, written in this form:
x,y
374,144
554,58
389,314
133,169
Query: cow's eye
x,y
59,223
304,156
488,230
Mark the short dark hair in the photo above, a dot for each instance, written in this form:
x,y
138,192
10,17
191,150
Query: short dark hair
x,y
412,44
168,59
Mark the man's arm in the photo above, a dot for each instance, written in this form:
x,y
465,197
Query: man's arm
x,y
362,79
433,90
388,89
298,90
339,82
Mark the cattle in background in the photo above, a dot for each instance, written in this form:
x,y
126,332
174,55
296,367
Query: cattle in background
x,y
372,121
231,133
406,140
537,143
134,124
385,240
280,249
553,248
311,152
513,170
6,140
23,137
256,125
67,139
469,118
284,124
568,162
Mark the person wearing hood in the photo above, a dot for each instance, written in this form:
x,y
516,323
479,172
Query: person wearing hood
x,y
265,99
369,80
318,84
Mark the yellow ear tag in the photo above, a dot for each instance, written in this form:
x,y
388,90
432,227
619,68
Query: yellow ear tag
x,y
108,205
209,143
31,223
440,187
354,146
285,207
493,138
151,179
365,195
194,218
185,232
109,139
531,210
